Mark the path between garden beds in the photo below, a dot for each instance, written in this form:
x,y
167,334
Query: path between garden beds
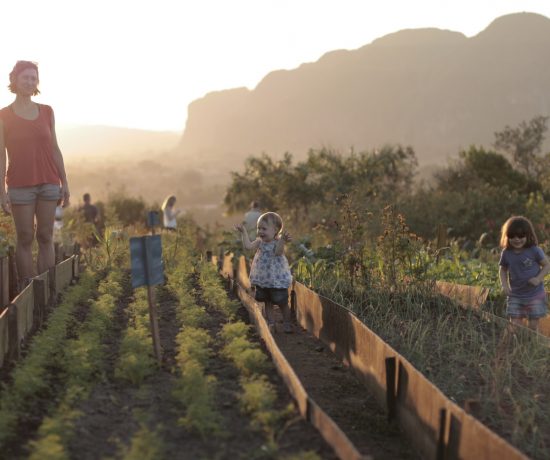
x,y
339,393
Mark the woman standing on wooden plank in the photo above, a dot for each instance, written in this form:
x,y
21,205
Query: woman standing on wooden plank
x,y
35,177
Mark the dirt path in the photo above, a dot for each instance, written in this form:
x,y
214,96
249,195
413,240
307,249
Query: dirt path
x,y
342,396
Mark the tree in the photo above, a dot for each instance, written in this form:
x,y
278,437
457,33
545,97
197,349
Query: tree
x,y
477,166
523,143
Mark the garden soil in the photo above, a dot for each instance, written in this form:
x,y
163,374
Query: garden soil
x,y
105,423
115,412
340,394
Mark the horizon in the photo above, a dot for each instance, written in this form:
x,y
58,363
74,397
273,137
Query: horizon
x,y
142,73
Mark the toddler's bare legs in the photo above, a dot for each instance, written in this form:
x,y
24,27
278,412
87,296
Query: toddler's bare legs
x,y
269,316
533,324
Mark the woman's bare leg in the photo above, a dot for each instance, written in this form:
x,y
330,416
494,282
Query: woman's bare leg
x,y
23,217
45,216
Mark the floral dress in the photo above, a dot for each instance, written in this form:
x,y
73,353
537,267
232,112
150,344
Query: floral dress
x,y
269,270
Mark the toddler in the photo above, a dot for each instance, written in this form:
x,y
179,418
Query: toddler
x,y
270,273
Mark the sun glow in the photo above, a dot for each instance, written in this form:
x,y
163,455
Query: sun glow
x,y
140,63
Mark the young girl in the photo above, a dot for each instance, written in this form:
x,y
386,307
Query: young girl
x,y
169,214
270,273
523,266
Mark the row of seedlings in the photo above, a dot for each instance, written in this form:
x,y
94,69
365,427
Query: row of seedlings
x,y
258,395
195,390
83,366
35,380
135,364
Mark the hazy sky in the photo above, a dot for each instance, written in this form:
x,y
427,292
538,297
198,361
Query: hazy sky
x,y
136,63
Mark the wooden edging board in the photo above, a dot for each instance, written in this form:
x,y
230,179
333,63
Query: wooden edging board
x,y
4,336
307,407
63,274
26,310
419,403
434,424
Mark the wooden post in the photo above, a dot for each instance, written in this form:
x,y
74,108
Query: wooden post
x,y
441,444
13,333
52,292
154,323
40,295
14,277
391,396
4,282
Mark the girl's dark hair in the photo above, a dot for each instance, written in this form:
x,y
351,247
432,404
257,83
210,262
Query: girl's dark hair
x,y
17,69
518,225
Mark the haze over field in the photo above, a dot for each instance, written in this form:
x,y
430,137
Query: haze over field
x,y
266,76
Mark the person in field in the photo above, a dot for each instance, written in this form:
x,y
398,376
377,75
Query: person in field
x,y
523,266
270,274
35,177
169,213
251,218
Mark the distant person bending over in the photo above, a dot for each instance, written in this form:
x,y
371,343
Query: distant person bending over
x,y
36,179
169,214
251,219
523,266
270,273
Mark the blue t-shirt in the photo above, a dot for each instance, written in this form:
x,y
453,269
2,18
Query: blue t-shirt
x,y
522,266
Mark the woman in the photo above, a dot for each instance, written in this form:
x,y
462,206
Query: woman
x,y
35,178
169,214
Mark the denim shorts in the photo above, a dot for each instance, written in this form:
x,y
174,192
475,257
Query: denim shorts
x,y
277,296
29,195
532,308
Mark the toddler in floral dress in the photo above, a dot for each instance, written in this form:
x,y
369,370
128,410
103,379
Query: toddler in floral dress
x,y
270,273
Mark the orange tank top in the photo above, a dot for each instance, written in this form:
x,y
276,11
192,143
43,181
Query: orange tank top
x,y
30,148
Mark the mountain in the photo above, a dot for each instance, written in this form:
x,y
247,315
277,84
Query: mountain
x,y
433,89
79,141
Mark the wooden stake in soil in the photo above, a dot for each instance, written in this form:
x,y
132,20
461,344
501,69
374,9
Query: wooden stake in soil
x,y
154,323
148,270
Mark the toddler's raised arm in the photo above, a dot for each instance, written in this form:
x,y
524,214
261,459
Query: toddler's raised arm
x,y
280,246
247,244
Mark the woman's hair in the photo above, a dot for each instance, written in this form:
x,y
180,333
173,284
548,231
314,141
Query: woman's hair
x,y
168,201
17,69
521,226
272,218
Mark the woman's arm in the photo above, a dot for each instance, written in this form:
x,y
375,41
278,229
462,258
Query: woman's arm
x,y
60,165
4,200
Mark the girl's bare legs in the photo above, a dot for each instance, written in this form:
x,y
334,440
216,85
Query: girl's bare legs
x,y
533,323
45,216
23,217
